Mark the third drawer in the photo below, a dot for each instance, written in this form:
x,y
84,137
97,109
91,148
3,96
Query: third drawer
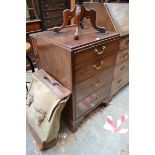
x,y
99,80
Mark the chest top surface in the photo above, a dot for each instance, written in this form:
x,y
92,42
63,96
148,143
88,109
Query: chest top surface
x,y
65,38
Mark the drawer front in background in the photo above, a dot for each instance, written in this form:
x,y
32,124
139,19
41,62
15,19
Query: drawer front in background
x,y
92,100
52,14
124,42
32,26
53,22
122,56
120,81
121,68
84,72
53,5
87,87
95,52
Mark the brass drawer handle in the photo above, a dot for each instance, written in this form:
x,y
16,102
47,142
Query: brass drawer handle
x,y
96,84
98,52
98,67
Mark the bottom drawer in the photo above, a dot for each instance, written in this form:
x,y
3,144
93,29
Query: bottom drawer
x,y
85,105
119,82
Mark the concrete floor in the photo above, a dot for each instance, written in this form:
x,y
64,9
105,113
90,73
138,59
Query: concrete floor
x,y
91,137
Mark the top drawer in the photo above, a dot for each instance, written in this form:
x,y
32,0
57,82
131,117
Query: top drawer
x,y
124,42
108,48
53,5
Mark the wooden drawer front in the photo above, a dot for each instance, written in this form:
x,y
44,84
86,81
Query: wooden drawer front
x,y
92,100
32,26
53,22
52,14
95,52
122,56
121,68
83,89
84,72
53,5
120,81
124,43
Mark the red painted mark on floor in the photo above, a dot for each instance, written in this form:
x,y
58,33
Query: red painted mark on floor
x,y
112,126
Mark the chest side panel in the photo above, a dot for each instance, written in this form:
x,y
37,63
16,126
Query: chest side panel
x,y
55,60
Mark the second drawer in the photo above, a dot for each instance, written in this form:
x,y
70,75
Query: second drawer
x,y
96,66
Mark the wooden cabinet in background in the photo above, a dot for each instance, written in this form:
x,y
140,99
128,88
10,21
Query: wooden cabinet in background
x,y
51,12
115,17
84,66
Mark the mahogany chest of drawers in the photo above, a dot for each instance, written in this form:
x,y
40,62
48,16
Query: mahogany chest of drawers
x,y
84,66
115,17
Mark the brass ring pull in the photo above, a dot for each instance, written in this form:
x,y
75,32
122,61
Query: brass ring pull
x,y
98,67
99,53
